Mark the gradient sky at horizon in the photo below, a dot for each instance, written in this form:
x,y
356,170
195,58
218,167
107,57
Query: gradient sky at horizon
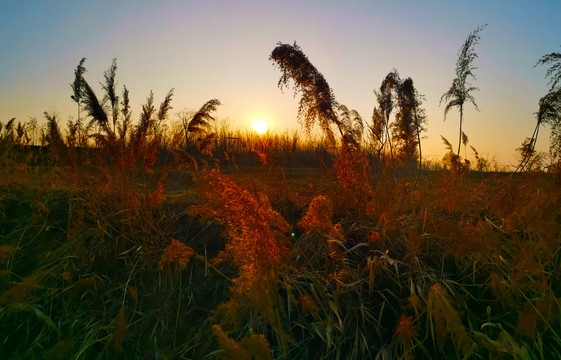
x,y
220,49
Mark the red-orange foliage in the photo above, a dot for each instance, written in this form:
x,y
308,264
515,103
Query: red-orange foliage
x,y
415,302
353,173
253,347
177,254
406,328
264,158
158,195
528,265
255,232
373,236
318,216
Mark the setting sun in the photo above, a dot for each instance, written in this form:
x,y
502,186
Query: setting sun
x,y
204,148
260,125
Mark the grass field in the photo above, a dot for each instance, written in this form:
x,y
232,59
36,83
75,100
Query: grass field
x,y
151,241
100,261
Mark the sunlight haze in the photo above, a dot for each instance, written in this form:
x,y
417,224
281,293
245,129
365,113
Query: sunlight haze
x,y
260,125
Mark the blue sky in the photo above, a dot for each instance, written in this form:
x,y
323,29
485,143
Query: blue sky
x,y
220,49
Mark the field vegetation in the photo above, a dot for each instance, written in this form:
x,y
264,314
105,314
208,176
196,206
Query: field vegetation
x,y
179,238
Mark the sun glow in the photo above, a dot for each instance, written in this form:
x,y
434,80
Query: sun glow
x,y
260,125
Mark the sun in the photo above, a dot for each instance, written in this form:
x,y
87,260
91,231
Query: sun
x,y
260,125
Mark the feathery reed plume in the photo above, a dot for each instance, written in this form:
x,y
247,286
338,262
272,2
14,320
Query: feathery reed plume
x,y
554,71
318,216
110,91
351,123
409,121
72,133
445,322
460,90
253,347
377,130
200,126
54,136
206,144
256,241
146,120
201,121
264,157
549,112
317,102
481,163
176,254
385,96
405,333
59,150
353,171
77,89
94,108
146,139
465,139
125,126
165,107
453,161
255,232
8,137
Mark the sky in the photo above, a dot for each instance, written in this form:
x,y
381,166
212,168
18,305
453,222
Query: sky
x,y
220,49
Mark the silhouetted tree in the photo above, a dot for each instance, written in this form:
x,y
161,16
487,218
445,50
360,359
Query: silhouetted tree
x,y
125,126
317,102
385,96
71,137
554,72
377,130
53,137
9,131
146,122
32,128
78,93
420,119
461,88
404,129
549,112
551,103
110,91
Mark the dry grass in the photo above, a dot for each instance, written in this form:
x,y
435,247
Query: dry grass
x,y
147,244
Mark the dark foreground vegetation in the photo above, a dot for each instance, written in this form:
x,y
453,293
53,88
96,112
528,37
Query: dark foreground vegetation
x,y
139,241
